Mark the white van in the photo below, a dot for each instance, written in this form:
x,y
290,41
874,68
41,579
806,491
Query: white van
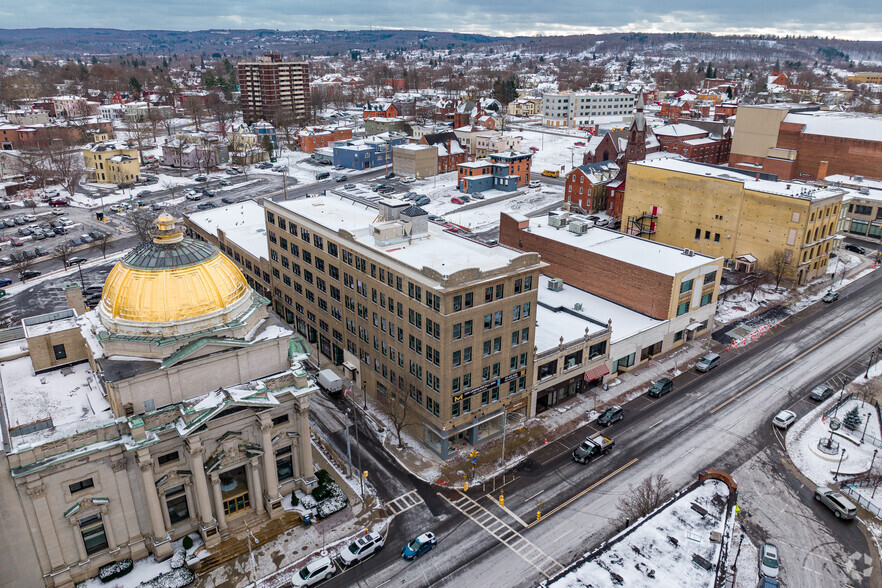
x,y
330,382
535,183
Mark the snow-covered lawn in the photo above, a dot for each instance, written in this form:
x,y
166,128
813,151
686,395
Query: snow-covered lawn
x,y
645,555
147,568
554,151
803,437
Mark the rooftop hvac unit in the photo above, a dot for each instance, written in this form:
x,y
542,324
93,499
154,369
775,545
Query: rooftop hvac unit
x,y
688,252
864,190
858,178
555,284
577,306
580,227
556,221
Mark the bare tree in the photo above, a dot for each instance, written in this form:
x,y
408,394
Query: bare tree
x,y
102,242
65,164
171,187
759,278
142,221
643,498
778,263
194,109
397,410
222,111
139,130
21,265
64,251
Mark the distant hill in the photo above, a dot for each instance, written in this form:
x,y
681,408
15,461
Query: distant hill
x,y
76,42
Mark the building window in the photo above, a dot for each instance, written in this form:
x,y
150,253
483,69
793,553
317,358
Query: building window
x,y
81,485
683,308
176,504
706,299
685,286
282,418
94,537
284,464
624,362
59,351
167,458
546,370
698,233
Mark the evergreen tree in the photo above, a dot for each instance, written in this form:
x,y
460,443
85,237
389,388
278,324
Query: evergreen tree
x,y
852,419
710,71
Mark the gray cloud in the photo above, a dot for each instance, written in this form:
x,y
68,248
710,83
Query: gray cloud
x,y
855,19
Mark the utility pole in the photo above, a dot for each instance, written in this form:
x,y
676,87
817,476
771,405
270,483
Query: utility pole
x,y
503,433
285,182
348,448
360,471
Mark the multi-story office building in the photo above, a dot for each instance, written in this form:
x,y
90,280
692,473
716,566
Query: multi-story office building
x,y
566,109
418,316
272,88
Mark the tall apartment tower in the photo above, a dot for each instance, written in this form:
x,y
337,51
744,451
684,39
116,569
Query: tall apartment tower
x,y
271,88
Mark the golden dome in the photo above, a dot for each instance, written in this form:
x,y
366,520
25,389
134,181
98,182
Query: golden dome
x,y
172,286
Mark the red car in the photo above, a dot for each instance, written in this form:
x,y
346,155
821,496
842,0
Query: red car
x,y
17,243
456,200
59,202
582,143
534,149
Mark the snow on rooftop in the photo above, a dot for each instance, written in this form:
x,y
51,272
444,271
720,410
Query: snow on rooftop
x,y
658,257
789,188
839,124
53,322
70,396
678,130
648,547
243,224
556,316
441,251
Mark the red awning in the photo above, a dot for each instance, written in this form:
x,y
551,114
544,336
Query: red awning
x,y
596,373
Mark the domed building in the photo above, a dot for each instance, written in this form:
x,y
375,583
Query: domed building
x,y
182,398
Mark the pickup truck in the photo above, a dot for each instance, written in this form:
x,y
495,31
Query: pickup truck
x,y
592,447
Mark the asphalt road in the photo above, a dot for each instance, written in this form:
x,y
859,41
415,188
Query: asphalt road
x,y
720,419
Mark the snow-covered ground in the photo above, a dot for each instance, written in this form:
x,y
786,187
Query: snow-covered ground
x,y
803,436
147,568
555,152
647,556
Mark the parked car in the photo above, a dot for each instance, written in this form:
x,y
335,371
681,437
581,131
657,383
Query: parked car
x,y
768,560
406,180
76,261
208,193
422,201
768,583
5,281
29,218
5,261
580,143
40,251
419,546
318,176
784,419
314,572
661,387
341,178
456,200
231,172
155,207
477,196
435,218
708,362
534,149
66,221
86,239
19,221
535,183
206,206
389,176
28,274
228,200
96,235
194,196
8,222
200,179
39,235
225,182
386,190
821,392
611,415
57,212
24,231
361,548
855,249
59,230
75,242
16,242
466,198
59,202
264,165
830,296
349,187
841,506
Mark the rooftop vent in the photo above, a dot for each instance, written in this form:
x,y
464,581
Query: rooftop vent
x,y
555,284
557,221
688,253
577,306
580,227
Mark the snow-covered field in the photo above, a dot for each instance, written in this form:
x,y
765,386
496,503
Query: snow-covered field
x,y
648,557
555,152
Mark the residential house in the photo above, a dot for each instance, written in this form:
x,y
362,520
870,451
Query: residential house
x,y
450,151
112,162
379,110
311,138
504,171
586,185
374,151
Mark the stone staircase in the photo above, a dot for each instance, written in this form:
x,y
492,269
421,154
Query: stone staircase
x,y
234,538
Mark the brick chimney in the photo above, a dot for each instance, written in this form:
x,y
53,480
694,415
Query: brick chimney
x,y
822,170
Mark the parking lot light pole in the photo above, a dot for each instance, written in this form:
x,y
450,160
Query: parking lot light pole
x,y
869,364
865,427
841,456
82,280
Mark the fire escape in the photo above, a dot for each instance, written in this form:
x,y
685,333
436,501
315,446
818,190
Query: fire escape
x,y
643,225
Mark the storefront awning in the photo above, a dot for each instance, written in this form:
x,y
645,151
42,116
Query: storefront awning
x,y
596,373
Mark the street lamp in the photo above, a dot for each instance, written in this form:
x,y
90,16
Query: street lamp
x,y
841,456
82,280
867,422
870,363
348,448
875,451
839,402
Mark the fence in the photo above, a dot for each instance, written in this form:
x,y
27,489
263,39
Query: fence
x,y
864,502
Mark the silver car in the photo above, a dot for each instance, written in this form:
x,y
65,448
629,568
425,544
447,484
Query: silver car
x,y
768,561
784,419
841,506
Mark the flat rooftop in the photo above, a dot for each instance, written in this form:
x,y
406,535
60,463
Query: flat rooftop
x,y
70,397
652,255
243,224
53,322
789,188
441,251
556,316
848,125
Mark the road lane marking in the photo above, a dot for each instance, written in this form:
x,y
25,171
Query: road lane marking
x,y
534,496
404,502
502,532
688,452
585,491
562,536
656,424
797,358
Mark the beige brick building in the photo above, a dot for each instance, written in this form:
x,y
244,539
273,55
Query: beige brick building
x,y
414,160
416,314
726,213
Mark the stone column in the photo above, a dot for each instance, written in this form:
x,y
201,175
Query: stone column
x,y
127,505
78,539
256,491
203,499
108,528
161,542
270,475
218,501
305,446
37,495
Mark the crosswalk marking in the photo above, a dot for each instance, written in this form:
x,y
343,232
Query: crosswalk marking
x,y
404,502
503,533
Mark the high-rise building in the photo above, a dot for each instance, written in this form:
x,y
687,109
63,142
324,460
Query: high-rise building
x,y
272,89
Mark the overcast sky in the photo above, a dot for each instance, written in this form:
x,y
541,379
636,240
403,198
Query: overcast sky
x,y
853,19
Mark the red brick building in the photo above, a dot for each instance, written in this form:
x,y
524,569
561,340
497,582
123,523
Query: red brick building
x,y
450,151
271,87
806,143
312,139
397,84
379,110
694,143
31,137
587,184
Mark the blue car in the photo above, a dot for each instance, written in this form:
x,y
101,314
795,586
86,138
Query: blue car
x,y
5,282
419,546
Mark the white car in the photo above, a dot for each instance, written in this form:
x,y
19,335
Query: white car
x,y
784,419
535,184
768,560
406,180
361,548
314,572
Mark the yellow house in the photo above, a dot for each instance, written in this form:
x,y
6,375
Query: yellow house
x,y
112,162
784,228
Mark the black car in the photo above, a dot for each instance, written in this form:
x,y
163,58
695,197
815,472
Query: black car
x,y
856,249
611,415
228,200
660,388
389,176
201,179
205,206
76,261
28,274
821,392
